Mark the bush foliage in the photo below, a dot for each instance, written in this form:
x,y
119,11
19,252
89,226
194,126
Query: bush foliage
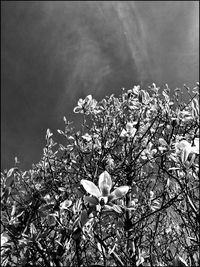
x,y
121,191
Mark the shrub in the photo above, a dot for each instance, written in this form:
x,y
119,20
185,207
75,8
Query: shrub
x,y
122,191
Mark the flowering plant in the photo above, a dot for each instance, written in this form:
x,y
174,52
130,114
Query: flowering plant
x,y
101,195
184,149
145,215
130,130
85,105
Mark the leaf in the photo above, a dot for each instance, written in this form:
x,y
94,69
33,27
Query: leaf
x,y
123,133
182,261
166,96
162,142
4,238
10,177
91,200
46,207
77,233
195,107
140,261
62,189
10,172
191,203
84,217
173,169
33,230
60,132
13,209
48,134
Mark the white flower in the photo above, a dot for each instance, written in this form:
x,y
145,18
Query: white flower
x,y
85,105
184,149
130,130
148,153
101,194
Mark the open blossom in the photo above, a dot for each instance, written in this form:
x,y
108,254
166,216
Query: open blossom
x,y
184,149
102,194
148,153
85,105
130,130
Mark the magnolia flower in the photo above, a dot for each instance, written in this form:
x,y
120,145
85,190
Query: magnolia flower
x,y
130,130
184,149
85,105
148,153
101,194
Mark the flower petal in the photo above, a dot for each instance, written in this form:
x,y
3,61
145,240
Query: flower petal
x,y
182,145
87,137
195,149
183,149
80,102
105,183
77,109
91,188
88,101
88,98
184,154
84,217
120,192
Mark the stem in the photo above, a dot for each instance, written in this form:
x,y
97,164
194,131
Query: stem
x,y
113,254
102,249
77,252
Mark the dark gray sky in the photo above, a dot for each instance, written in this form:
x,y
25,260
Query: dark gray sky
x,y
54,52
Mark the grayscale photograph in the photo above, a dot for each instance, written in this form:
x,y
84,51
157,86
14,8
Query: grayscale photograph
x,y
100,133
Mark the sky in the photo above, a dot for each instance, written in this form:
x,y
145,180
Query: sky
x,y
55,52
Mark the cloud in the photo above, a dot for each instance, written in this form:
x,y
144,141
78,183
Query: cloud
x,y
54,52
